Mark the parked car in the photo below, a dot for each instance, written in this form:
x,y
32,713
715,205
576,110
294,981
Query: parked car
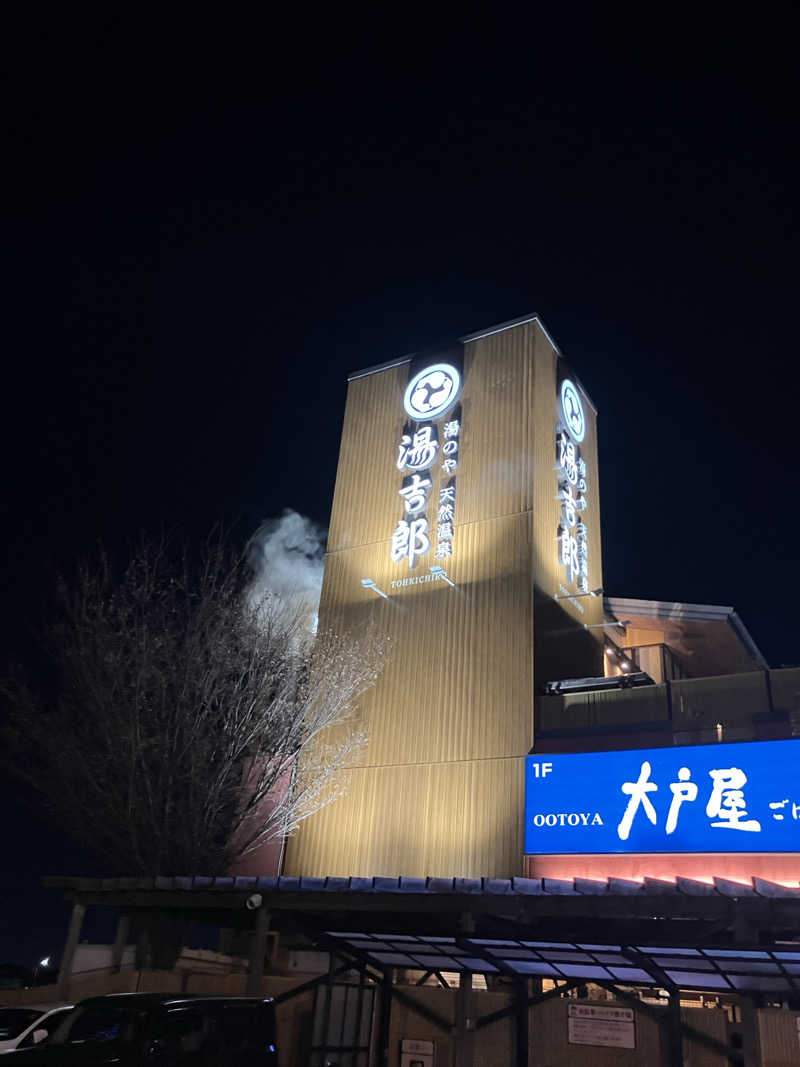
x,y
162,1030
27,1025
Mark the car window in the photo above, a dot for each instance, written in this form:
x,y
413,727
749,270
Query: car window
x,y
98,1023
48,1023
14,1020
246,1026
181,1030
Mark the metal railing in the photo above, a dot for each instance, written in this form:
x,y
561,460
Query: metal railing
x,y
751,706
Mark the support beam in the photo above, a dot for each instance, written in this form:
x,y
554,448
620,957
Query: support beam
x,y
327,1041
67,956
751,1045
312,983
432,974
659,1015
674,1030
120,942
671,1028
385,1018
538,998
144,941
258,949
522,1016
225,941
465,1022
417,1006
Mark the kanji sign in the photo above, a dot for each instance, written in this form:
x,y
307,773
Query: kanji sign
x,y
573,542
597,1024
428,451
742,797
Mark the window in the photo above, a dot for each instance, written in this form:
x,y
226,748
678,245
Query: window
x,y
98,1023
181,1030
48,1023
14,1020
247,1026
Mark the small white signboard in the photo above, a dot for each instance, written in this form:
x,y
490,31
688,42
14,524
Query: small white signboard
x,y
415,1053
595,1024
414,1045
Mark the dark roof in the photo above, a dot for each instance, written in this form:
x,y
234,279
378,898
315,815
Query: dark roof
x,y
684,934
471,887
711,638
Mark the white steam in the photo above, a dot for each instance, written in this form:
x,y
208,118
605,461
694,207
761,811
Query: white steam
x,y
287,559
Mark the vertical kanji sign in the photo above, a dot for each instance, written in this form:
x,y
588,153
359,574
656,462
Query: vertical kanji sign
x,y
428,458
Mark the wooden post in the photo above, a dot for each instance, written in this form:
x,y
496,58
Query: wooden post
x,y
746,932
465,1022
225,940
675,1030
67,956
385,1019
258,949
120,943
751,1046
143,943
521,1015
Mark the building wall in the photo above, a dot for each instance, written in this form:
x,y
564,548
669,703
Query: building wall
x,y
548,1030
440,788
494,1044
779,1038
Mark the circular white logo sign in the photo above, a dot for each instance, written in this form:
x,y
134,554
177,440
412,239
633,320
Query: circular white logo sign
x,y
431,392
572,409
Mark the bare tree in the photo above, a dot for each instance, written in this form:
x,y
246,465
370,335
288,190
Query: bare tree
x,y
182,724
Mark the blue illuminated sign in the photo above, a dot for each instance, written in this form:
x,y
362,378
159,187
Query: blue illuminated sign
x,y
742,797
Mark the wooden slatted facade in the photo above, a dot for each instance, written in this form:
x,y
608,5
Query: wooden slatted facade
x,y
440,789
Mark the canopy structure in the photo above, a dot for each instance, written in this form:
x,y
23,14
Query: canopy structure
x,y
726,936
774,969
540,936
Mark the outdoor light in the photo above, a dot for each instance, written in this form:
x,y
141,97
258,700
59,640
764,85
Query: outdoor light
x,y
596,625
368,583
436,569
571,596
45,962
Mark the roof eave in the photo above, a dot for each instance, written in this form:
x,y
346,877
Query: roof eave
x,y
668,609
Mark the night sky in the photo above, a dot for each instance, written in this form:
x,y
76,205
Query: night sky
x,y
206,226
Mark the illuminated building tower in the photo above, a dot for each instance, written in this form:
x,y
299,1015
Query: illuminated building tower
x,y
466,528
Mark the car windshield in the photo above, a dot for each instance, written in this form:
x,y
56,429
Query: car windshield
x,y
98,1023
14,1020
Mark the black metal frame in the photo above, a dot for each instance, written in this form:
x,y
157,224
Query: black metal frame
x,y
357,1054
